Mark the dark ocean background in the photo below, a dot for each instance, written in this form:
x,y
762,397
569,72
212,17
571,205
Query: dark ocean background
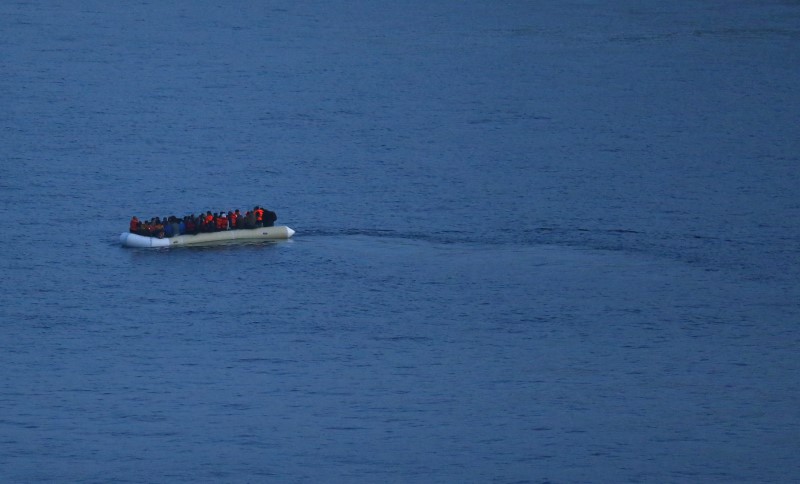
x,y
537,241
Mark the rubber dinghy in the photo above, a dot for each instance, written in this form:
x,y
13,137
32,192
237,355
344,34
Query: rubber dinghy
x,y
279,232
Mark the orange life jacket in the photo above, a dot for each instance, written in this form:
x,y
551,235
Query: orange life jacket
x,y
260,215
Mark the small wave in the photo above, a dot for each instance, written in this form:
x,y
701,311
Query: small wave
x,y
441,237
415,339
548,235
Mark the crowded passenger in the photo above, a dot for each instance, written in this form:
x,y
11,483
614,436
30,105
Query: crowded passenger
x,y
209,222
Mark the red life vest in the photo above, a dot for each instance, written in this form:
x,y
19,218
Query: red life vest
x,y
260,215
134,225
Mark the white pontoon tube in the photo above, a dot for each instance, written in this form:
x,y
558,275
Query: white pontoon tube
x,y
263,233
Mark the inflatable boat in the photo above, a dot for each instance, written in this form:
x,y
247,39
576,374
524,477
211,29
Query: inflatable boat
x,y
279,232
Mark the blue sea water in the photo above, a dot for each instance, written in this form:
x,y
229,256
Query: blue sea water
x,y
536,241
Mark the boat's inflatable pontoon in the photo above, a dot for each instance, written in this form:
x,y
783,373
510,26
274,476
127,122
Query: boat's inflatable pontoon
x,y
263,233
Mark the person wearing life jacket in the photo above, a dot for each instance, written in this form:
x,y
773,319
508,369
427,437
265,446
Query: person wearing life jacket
x,y
191,225
231,220
259,216
222,222
158,228
208,222
134,225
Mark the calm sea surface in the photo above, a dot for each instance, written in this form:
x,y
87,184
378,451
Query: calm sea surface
x,y
536,241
